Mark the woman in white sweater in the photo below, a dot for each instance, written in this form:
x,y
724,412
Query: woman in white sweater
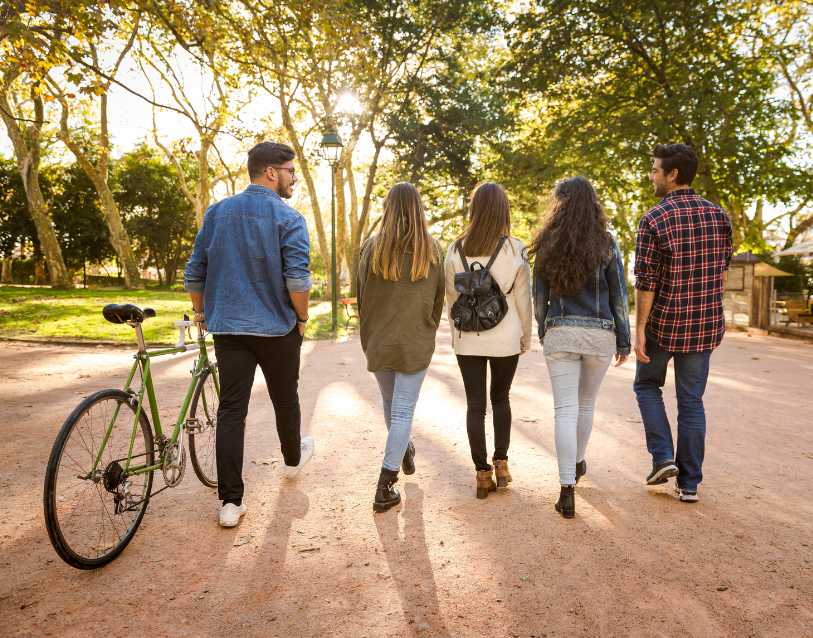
x,y
500,347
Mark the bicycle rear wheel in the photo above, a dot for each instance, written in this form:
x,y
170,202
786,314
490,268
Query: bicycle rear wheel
x,y
91,520
202,441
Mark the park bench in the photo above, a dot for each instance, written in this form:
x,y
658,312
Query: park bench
x,y
348,302
795,310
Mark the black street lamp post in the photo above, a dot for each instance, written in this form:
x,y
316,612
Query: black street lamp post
x,y
331,151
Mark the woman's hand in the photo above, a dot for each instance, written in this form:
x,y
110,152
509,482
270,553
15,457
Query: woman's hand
x,y
621,359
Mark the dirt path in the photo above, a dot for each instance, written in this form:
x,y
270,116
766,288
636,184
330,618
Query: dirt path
x,y
634,562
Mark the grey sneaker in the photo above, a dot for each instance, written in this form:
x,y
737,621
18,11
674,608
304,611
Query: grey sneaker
x,y
687,496
661,473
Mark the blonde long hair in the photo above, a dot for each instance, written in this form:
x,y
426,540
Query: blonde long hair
x,y
489,219
404,228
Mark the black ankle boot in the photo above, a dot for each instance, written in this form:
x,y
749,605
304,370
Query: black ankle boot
x,y
566,503
408,464
581,470
386,496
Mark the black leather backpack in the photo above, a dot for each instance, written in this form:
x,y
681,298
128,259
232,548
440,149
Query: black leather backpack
x,y
481,304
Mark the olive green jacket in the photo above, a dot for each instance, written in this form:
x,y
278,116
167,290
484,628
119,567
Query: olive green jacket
x,y
398,319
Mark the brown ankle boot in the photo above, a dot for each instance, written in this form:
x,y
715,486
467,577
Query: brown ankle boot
x,y
503,475
485,483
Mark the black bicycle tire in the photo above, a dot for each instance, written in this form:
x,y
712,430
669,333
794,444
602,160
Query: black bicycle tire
x,y
193,457
58,542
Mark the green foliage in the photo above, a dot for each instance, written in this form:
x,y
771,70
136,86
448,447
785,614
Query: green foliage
x,y
75,212
610,79
160,219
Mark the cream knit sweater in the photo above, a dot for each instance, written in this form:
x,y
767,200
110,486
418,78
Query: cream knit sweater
x,y
513,333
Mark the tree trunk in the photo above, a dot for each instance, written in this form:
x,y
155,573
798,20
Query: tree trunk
x,y
98,174
40,276
5,277
203,186
27,152
341,222
119,238
304,166
365,213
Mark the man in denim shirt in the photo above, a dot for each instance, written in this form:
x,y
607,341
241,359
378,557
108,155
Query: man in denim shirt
x,y
249,281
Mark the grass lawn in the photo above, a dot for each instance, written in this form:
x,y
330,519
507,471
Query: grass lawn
x,y
69,315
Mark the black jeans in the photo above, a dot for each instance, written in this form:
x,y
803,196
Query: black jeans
x,y
473,370
237,359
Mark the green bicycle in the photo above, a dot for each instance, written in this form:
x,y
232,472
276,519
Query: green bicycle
x,y
98,482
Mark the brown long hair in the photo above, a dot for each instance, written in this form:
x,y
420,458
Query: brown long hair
x,y
404,228
574,237
489,219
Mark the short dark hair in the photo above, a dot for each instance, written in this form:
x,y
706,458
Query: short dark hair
x,y
267,154
678,156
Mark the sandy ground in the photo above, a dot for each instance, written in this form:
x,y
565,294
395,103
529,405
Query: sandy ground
x,y
634,562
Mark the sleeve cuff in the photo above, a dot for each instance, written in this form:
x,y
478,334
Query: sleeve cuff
x,y
645,285
623,351
194,286
298,284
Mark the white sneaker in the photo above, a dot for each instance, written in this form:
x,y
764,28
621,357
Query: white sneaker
x,y
306,448
230,514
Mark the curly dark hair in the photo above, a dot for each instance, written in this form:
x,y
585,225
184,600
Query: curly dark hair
x,y
573,239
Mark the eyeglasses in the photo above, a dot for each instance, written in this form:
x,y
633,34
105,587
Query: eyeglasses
x,y
285,168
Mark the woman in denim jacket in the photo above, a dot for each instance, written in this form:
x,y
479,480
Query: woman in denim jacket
x,y
580,302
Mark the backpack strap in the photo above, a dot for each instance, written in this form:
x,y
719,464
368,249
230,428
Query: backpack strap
x,y
463,257
496,252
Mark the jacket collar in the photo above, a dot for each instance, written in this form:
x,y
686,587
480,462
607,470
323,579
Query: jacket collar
x,y
257,188
682,192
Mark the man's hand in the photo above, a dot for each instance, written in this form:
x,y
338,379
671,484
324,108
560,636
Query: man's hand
x,y
301,329
640,346
621,359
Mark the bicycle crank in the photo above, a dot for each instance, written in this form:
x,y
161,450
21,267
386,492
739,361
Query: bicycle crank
x,y
174,464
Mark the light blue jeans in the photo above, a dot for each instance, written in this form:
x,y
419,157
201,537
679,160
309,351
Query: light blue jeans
x,y
399,392
576,379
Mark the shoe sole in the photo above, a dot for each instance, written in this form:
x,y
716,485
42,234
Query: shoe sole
x,y
565,513
663,476
383,507
686,498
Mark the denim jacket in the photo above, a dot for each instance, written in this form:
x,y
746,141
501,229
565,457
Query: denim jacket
x,y
602,303
250,252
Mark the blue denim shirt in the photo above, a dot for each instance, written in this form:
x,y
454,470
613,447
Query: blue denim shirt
x,y
251,251
602,302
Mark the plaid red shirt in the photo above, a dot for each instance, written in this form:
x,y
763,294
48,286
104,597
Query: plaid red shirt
x,y
684,245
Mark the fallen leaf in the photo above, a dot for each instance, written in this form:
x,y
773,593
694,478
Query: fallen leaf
x,y
527,419
242,541
310,549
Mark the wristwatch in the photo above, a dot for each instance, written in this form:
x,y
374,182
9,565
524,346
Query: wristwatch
x,y
302,322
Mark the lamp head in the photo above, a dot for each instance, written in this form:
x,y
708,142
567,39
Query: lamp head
x,y
331,147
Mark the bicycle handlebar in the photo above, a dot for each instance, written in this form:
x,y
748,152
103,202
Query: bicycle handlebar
x,y
182,326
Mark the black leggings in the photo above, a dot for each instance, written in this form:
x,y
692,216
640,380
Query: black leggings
x,y
473,369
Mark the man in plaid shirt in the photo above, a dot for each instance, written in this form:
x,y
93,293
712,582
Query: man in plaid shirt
x,y
682,256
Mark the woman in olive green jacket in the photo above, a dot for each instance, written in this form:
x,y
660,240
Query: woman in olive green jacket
x,y
400,289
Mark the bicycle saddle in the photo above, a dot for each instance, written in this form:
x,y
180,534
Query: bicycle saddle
x,y
122,313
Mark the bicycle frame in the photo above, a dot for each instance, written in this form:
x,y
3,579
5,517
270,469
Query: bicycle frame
x,y
142,360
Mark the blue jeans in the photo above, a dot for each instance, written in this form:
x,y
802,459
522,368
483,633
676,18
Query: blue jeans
x,y
691,374
399,392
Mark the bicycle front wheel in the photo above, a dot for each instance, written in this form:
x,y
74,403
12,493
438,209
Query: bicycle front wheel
x,y
91,514
203,438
